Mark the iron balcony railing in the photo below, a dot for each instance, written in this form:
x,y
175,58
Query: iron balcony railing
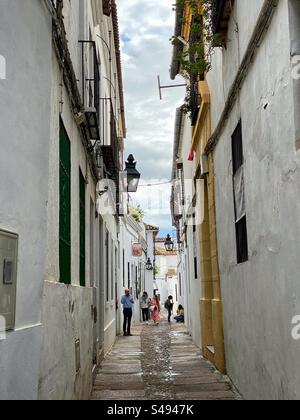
x,y
90,87
111,152
111,159
114,139
195,100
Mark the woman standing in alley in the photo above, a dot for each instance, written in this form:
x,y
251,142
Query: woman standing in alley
x,y
155,310
145,302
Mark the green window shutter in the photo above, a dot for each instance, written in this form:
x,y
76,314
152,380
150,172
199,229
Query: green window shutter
x,y
82,228
65,206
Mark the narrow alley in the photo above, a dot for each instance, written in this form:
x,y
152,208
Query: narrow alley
x,y
149,165
159,363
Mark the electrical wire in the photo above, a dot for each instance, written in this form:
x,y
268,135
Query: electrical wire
x,y
154,185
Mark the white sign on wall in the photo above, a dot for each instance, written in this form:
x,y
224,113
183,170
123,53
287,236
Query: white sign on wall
x,y
137,250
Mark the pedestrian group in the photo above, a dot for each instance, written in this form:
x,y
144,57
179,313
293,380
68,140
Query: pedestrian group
x,y
151,310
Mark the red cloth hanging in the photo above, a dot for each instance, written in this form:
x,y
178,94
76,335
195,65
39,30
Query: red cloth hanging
x,y
191,156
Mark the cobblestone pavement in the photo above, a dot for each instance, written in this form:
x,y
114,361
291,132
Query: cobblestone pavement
x,y
159,363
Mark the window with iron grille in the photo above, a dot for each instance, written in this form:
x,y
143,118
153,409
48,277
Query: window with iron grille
x,y
64,206
82,228
239,195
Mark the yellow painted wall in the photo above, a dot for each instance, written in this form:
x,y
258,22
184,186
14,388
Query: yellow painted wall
x,y
211,301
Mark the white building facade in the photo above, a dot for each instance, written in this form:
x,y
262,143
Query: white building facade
x,y
24,140
185,220
166,276
83,258
255,83
61,220
133,267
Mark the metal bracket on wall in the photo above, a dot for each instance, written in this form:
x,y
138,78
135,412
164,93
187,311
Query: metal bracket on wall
x,y
160,87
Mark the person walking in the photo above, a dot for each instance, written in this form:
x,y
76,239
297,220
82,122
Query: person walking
x,y
145,303
127,302
155,310
169,307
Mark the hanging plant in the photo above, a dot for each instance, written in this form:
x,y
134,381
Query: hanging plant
x,y
196,57
137,213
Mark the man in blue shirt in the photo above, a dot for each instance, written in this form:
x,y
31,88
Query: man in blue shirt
x,y
127,302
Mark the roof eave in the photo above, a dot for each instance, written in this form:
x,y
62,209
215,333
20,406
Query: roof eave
x,y
119,63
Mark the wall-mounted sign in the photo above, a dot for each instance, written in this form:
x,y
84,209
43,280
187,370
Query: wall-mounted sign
x,y
137,250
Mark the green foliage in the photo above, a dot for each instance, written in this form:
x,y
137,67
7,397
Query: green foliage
x,y
137,213
156,270
195,59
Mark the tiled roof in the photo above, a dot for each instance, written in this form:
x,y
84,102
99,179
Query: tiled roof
x,y
118,57
152,228
164,253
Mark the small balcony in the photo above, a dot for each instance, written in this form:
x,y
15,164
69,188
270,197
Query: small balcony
x,y
90,88
111,152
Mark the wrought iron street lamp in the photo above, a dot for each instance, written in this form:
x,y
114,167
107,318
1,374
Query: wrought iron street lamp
x,y
149,265
133,176
169,244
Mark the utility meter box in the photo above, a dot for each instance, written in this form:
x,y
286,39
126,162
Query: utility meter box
x,y
8,278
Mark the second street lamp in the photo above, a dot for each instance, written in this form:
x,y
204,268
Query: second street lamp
x,y
149,265
169,244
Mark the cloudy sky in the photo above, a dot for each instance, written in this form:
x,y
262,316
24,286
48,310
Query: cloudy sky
x,y
146,28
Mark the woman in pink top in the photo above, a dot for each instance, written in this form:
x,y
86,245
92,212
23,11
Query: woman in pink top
x,y
155,310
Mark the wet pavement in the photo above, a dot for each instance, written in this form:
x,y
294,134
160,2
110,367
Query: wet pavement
x,y
159,363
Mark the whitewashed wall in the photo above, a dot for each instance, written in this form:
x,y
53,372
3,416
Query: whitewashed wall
x,y
25,42
191,287
71,318
261,296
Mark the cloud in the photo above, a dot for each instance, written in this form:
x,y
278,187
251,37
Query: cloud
x,y
146,28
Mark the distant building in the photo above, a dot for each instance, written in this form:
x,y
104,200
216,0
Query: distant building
x,y
166,279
